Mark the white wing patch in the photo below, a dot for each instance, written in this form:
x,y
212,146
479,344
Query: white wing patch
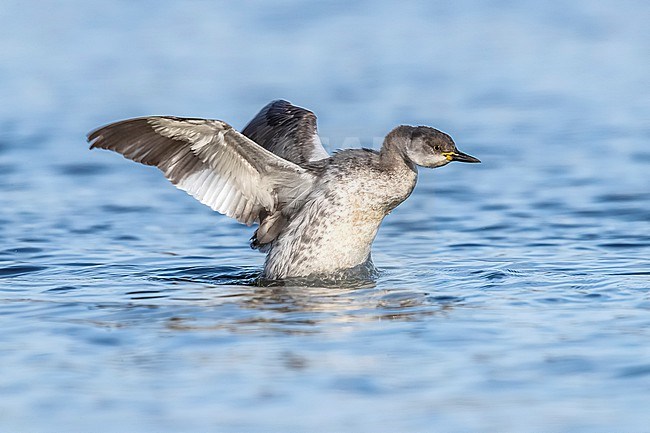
x,y
219,193
228,184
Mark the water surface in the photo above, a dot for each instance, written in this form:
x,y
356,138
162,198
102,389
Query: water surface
x,y
513,295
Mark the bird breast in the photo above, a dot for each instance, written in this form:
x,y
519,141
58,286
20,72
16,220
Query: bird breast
x,y
338,223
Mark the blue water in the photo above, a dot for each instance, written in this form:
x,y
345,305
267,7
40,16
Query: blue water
x,y
514,295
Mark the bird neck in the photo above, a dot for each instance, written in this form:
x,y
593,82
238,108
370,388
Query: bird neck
x,y
393,150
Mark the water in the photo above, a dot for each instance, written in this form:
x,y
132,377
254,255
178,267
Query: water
x,y
513,295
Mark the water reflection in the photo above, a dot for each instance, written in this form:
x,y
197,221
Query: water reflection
x,y
222,298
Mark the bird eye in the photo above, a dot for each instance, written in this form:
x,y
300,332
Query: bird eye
x,y
436,148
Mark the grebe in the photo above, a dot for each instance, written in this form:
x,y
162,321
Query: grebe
x,y
317,214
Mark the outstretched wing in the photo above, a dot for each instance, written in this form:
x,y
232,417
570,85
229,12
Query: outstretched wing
x,y
288,131
211,161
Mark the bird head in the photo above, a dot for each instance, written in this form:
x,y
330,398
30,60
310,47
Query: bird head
x,y
428,147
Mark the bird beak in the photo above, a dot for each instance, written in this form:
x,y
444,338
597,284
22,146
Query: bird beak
x,y
460,157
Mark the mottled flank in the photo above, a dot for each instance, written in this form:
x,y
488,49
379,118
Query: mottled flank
x,y
317,214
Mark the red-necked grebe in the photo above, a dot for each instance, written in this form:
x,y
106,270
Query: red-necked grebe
x,y
317,214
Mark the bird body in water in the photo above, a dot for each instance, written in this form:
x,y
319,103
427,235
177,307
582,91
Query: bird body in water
x,y
317,214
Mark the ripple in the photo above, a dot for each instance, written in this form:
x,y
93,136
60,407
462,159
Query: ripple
x,y
470,245
569,365
6,169
83,169
492,227
494,207
146,294
623,245
626,214
125,238
635,371
549,205
640,156
28,250
445,299
80,264
553,300
12,271
216,275
121,209
493,274
623,197
21,251
632,273
401,299
94,228
62,289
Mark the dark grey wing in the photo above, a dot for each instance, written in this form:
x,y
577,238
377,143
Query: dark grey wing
x,y
211,161
288,131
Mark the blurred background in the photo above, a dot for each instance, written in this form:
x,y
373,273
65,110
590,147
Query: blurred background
x,y
514,294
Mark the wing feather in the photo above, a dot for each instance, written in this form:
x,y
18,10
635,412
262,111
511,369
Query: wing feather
x,y
211,161
289,131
